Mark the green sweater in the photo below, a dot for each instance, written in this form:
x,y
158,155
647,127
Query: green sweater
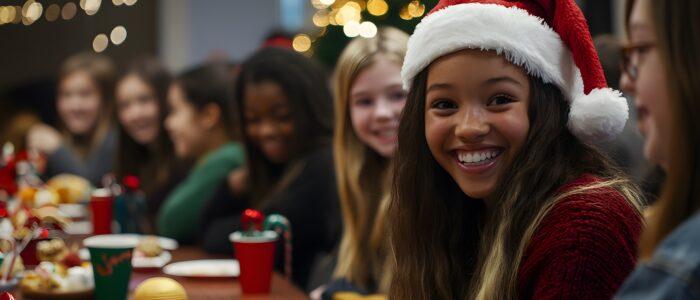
x,y
179,217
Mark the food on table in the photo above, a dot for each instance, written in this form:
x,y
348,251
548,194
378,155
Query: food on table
x,y
160,288
52,250
149,247
17,268
70,188
46,197
51,215
26,195
50,277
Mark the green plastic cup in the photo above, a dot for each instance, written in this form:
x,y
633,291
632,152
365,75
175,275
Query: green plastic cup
x,y
110,256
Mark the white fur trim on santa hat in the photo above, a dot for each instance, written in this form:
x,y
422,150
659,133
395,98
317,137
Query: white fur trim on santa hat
x,y
524,40
598,116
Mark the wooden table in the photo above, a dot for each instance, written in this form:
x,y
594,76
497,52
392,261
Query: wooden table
x,y
201,289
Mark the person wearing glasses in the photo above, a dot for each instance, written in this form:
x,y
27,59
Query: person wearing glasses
x,y
661,64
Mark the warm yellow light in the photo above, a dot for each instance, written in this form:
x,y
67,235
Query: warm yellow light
x,y
377,7
118,35
90,6
301,43
368,29
18,15
4,15
354,5
351,29
331,17
327,2
318,5
25,7
68,11
31,11
130,2
100,43
416,9
320,18
52,12
117,2
404,14
349,12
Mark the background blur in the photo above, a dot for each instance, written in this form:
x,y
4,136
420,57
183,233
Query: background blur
x,y
37,35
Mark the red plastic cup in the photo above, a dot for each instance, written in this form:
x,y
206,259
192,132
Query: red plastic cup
x,y
101,204
256,257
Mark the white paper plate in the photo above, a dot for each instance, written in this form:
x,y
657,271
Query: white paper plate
x,y
208,268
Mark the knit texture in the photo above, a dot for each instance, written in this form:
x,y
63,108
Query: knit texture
x,y
584,248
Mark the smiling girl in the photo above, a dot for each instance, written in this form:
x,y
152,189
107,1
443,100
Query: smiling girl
x,y
369,98
85,142
200,124
144,149
497,192
285,109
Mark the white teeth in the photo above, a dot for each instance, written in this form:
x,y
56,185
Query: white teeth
x,y
476,156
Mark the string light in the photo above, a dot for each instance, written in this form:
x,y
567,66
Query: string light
x,y
90,6
52,12
351,29
118,35
404,14
31,11
416,9
327,2
18,15
5,15
321,19
69,10
368,29
117,2
377,7
130,2
100,43
301,43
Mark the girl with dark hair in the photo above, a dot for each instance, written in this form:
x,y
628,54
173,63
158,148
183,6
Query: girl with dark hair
x,y
286,114
144,149
85,142
661,64
497,193
201,127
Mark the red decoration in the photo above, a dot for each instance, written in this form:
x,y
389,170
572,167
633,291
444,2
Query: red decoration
x,y
132,182
3,209
44,233
72,260
6,296
252,219
8,175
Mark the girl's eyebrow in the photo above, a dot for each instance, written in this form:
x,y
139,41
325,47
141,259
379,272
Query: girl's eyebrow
x,y
439,86
502,79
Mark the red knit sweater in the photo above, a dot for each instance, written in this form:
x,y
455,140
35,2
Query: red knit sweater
x,y
584,248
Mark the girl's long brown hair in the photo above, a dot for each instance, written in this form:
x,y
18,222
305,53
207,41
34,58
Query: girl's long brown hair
x,y
361,173
303,81
153,164
446,245
677,28
101,69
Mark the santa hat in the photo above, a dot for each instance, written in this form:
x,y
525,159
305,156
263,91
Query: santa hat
x,y
549,39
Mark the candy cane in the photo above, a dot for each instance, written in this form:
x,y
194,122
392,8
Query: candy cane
x,y
281,225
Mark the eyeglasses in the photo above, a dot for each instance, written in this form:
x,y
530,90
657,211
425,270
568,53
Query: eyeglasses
x,y
631,55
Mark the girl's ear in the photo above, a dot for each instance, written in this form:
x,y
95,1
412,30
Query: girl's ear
x,y
210,115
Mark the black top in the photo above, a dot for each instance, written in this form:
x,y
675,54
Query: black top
x,y
311,204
